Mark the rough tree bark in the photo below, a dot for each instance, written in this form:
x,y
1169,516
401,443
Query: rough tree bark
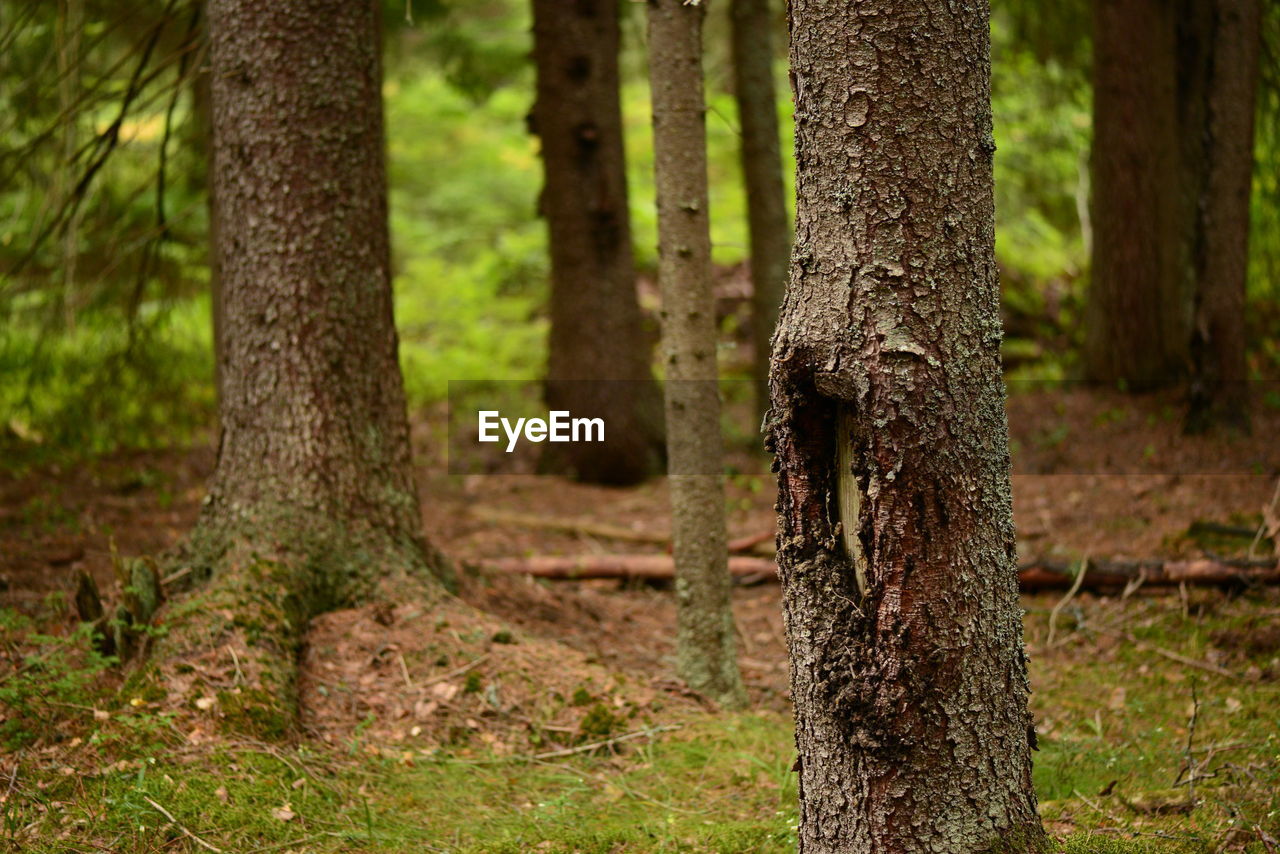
x,y
202,138
1138,308
599,359
770,232
312,504
705,648
896,543
1230,31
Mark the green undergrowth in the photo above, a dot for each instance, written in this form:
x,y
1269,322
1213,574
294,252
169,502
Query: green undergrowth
x,y
1115,715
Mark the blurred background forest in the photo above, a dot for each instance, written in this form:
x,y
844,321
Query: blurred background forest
x,y
104,281
437,729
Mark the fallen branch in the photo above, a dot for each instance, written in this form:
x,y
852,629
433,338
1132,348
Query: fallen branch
x,y
1206,666
1062,603
573,751
760,542
178,824
457,671
582,527
1105,576
652,567
1117,575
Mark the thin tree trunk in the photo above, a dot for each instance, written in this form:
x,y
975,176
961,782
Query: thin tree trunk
x,y
202,110
1138,309
599,360
705,649
762,175
1219,393
896,532
67,37
312,504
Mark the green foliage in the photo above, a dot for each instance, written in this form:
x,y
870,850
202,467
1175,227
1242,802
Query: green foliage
x,y
471,267
106,326
477,46
102,225
53,673
1264,232
103,384
1042,130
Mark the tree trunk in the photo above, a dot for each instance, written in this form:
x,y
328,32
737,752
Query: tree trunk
x,y
1232,38
312,504
896,534
705,647
770,231
202,113
1138,309
599,362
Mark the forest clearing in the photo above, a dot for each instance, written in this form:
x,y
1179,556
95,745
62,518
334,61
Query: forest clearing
x,y
678,426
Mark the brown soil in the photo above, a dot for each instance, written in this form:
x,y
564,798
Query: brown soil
x,y
1096,473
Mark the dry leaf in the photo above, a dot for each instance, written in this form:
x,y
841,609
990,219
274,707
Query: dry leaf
x,y
445,691
284,813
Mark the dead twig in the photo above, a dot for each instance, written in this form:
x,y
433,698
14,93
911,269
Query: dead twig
x,y
1270,526
404,669
1101,810
1206,666
1132,587
175,576
457,671
236,659
1191,740
179,825
573,751
1062,603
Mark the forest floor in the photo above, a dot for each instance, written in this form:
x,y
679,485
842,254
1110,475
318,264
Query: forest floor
x,y
450,730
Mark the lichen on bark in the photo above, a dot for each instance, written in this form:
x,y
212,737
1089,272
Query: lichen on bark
x,y
706,655
909,683
312,504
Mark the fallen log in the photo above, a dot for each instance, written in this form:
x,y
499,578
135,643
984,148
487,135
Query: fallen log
x,y
581,527
1100,576
1107,576
654,567
761,542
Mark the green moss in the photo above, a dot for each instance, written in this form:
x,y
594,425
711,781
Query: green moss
x,y
1021,840
599,722
1096,843
256,712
